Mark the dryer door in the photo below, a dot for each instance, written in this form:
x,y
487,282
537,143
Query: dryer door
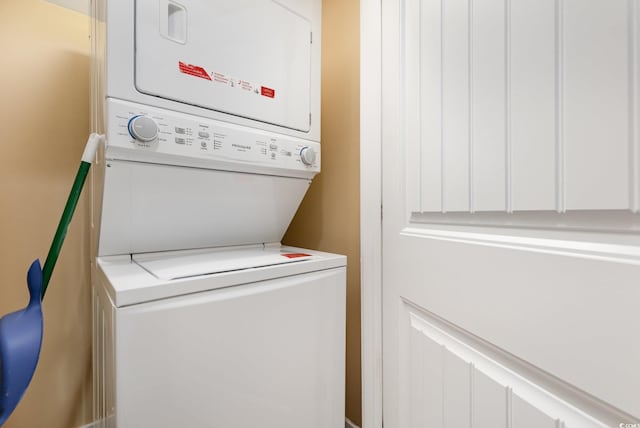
x,y
249,58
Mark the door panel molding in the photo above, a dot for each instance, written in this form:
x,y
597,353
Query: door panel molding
x,y
500,387
606,252
515,105
601,221
574,317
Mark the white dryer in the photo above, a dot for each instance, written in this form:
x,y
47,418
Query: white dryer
x,y
211,113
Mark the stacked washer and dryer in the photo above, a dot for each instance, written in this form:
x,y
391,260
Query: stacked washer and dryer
x,y
211,110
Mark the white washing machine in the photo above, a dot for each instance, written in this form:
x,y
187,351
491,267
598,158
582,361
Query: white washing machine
x,y
211,110
245,337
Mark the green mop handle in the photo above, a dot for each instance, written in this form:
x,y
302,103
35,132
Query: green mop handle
x,y
87,157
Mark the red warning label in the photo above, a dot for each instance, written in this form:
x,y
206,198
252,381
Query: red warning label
x,y
267,92
295,255
225,79
193,70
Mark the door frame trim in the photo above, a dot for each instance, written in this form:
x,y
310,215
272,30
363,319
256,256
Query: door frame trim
x,y
371,209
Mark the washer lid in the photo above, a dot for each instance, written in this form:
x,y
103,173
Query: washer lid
x,y
137,279
209,262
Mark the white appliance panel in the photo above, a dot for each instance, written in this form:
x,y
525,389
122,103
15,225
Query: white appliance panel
x,y
194,141
249,58
235,358
114,52
149,207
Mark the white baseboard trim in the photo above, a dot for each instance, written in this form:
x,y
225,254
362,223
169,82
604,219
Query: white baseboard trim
x,y
349,424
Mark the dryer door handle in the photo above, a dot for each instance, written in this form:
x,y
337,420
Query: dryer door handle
x,y
173,21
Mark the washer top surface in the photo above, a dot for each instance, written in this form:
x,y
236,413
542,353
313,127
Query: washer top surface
x,y
208,262
147,277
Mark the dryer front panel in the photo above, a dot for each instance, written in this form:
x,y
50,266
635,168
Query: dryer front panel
x,y
249,58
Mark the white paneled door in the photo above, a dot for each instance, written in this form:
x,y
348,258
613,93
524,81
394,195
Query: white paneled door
x,y
510,230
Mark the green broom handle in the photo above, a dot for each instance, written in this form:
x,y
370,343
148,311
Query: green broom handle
x,y
70,207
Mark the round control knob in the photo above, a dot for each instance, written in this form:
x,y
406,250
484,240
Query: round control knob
x,y
143,128
307,156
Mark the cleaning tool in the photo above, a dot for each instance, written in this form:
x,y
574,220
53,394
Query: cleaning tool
x,y
21,331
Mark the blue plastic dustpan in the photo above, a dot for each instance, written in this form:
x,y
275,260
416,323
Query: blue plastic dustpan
x,y
21,331
20,342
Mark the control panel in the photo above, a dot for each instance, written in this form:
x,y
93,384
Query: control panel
x,y
138,132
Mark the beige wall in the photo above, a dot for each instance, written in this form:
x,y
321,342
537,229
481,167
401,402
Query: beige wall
x,y
329,217
44,100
